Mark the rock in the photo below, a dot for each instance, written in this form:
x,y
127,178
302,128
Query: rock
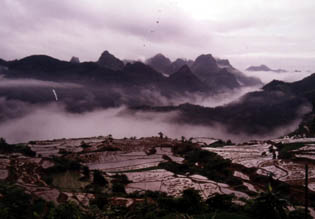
x,y
184,80
75,60
62,198
264,68
110,61
46,164
160,63
204,66
49,195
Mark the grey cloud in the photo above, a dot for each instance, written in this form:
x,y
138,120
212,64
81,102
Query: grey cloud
x,y
64,20
51,121
130,29
6,83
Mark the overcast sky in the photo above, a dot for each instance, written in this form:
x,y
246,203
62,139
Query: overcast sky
x,y
276,32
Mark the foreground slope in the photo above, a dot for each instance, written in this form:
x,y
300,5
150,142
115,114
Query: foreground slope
x,y
125,173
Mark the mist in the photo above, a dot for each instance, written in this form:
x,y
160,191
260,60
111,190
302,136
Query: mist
x,y
220,99
268,76
7,83
53,122
30,111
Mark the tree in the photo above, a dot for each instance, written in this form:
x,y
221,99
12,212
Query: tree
x,y
183,139
99,179
269,205
220,201
191,201
161,135
67,210
86,172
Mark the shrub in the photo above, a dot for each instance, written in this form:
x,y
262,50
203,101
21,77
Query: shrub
x,y
191,201
118,188
85,145
16,204
101,200
15,148
86,172
120,178
219,201
269,205
298,214
67,210
62,165
99,179
183,147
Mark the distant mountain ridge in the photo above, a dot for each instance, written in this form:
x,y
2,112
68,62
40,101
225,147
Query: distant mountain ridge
x,y
133,84
110,61
208,69
264,68
87,86
75,59
3,62
278,104
213,74
185,80
160,63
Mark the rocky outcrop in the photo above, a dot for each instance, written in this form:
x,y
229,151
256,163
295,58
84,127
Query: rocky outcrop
x,y
185,80
75,60
160,63
264,68
108,60
204,66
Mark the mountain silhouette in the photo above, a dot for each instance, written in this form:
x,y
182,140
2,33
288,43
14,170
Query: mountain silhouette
x,y
110,61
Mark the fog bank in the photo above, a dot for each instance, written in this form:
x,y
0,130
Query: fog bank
x,y
268,76
52,122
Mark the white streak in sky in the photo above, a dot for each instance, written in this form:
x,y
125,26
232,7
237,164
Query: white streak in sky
x,y
55,94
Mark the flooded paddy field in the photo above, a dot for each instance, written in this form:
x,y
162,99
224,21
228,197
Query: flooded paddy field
x,y
66,169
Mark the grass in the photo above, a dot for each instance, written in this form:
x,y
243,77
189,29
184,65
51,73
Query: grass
x,y
68,181
138,170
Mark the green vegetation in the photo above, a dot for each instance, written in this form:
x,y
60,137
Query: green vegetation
x,y
67,210
98,178
118,183
221,143
108,148
111,197
86,173
286,151
16,204
85,145
201,162
100,201
15,148
68,181
161,135
151,151
220,202
63,164
139,170
65,174
269,205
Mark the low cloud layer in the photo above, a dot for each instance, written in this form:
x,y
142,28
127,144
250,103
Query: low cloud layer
x,y
268,76
29,111
52,122
220,99
9,83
